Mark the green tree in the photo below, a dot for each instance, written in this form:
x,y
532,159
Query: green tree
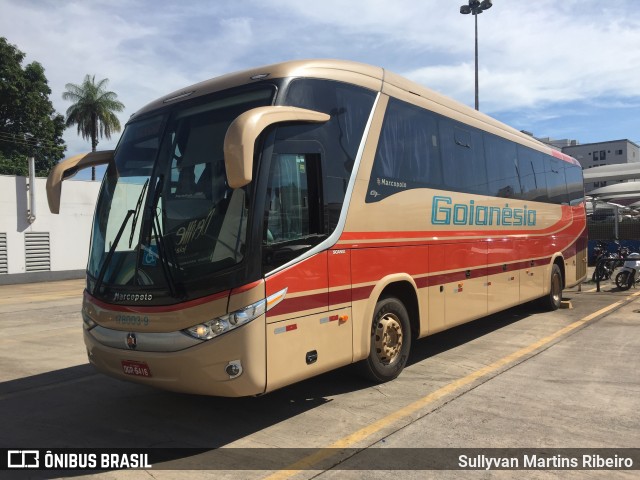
x,y
29,125
93,110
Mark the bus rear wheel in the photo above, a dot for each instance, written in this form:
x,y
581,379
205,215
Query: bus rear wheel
x,y
390,341
553,300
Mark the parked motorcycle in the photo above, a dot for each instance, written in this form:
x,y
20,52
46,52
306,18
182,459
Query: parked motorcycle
x,y
627,277
606,262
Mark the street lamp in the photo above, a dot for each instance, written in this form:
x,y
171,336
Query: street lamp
x,y
476,7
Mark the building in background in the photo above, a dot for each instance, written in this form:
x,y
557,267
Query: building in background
x,y
36,245
603,153
557,144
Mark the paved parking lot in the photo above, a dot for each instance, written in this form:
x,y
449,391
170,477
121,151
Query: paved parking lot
x,y
520,379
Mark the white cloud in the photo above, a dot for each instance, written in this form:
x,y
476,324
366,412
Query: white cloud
x,y
533,55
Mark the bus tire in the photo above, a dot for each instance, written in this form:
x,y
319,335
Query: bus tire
x,y
554,298
390,341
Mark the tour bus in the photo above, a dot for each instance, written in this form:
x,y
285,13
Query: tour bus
x,y
269,225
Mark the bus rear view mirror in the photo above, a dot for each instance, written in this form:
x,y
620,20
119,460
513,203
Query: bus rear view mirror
x,y
67,169
240,139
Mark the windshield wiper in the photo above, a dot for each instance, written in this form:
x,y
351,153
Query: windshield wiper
x,y
116,240
156,231
137,212
112,249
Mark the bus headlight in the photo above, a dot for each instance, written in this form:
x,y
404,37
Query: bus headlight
x,y
88,322
226,323
220,325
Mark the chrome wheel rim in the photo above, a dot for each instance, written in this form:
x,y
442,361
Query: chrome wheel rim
x,y
388,339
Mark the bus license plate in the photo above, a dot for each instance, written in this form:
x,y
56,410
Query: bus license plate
x,y
137,369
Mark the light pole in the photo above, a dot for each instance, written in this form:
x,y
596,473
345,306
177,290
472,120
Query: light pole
x,y
476,7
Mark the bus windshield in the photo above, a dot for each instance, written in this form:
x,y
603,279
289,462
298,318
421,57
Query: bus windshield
x,y
165,216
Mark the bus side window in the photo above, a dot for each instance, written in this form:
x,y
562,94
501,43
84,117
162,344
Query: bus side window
x,y
531,174
463,158
556,181
575,186
502,167
293,216
408,153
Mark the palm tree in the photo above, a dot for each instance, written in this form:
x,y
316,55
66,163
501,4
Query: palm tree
x,y
93,110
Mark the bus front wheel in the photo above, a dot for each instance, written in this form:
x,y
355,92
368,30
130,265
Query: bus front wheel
x,y
390,341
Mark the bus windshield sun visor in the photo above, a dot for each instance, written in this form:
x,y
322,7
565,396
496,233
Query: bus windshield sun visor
x,y
240,139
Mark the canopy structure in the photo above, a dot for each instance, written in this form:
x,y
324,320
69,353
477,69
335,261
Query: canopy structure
x,y
618,190
619,171
620,198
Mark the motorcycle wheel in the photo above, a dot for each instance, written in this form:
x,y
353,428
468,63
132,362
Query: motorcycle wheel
x,y
623,280
600,273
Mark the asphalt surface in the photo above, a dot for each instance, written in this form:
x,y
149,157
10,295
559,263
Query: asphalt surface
x,y
523,378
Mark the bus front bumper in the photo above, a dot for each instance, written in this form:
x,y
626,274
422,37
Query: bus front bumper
x,y
201,369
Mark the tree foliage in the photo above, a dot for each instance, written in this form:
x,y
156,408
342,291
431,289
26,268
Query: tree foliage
x,y
93,110
29,125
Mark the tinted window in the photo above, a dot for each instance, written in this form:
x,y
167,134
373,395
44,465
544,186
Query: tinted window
x,y
408,154
340,137
556,183
287,213
575,186
349,107
293,219
533,180
418,148
462,158
502,167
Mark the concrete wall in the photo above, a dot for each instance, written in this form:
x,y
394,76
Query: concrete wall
x,y
69,232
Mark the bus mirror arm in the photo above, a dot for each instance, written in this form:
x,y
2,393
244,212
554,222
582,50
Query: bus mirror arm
x,y
67,169
241,136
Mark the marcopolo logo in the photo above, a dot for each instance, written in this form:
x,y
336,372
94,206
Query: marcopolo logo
x,y
391,183
132,297
445,212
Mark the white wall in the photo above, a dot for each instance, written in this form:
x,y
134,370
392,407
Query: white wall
x,y
69,232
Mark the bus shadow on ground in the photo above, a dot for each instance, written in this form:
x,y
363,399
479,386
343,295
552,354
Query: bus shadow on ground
x,y
79,408
456,336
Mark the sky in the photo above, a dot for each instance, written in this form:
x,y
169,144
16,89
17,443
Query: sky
x,y
556,68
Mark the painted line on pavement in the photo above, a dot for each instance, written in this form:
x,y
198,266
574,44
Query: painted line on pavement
x,y
323,453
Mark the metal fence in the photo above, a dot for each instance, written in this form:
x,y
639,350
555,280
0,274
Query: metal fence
x,y
628,235
627,230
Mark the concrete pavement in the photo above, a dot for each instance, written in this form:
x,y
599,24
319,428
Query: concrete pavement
x,y
522,378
